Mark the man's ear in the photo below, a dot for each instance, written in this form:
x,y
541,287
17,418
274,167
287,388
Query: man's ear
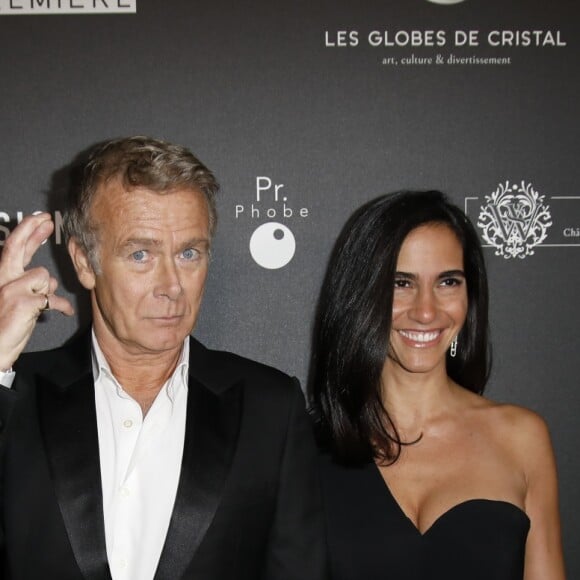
x,y
82,264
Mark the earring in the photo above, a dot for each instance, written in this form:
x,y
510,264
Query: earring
x,y
453,347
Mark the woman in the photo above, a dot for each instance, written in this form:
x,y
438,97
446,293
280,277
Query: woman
x,y
424,478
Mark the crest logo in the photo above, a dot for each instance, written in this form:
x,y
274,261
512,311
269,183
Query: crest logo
x,y
515,220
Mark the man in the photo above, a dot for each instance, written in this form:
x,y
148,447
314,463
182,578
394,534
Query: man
x,y
133,452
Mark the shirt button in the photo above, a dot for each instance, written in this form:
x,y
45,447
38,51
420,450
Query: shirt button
x,y
127,423
122,563
125,491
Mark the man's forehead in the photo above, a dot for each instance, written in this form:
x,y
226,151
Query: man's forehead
x,y
149,227
157,235
142,204
175,217
115,189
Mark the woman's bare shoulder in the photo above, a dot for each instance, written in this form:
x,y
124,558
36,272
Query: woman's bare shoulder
x,y
520,420
522,431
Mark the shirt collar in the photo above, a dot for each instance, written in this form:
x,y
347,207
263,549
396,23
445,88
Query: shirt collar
x,y
102,369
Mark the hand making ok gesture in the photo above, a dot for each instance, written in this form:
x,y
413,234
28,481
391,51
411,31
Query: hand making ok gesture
x,y
25,294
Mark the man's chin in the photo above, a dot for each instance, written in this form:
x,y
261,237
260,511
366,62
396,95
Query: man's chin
x,y
165,338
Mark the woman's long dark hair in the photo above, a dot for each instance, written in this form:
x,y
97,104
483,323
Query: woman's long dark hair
x,y
353,323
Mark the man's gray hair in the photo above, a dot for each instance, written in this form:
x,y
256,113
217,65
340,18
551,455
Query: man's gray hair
x,y
138,162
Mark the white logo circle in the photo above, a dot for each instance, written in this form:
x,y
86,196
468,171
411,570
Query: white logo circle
x,y
272,245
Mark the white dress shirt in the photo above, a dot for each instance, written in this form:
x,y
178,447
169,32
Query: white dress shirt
x,y
7,378
140,465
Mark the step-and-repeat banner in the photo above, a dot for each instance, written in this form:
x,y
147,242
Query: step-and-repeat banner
x,y
305,110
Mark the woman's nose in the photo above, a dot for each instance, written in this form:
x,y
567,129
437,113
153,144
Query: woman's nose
x,y
424,308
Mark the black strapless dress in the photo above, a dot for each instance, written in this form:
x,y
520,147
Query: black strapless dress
x,y
370,538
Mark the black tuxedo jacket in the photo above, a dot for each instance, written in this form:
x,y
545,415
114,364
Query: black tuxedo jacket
x,y
247,504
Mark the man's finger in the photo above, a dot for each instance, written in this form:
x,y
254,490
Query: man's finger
x,y
57,303
36,239
44,286
21,245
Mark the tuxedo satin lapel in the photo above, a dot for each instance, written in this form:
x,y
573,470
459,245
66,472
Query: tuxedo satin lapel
x,y
69,425
211,435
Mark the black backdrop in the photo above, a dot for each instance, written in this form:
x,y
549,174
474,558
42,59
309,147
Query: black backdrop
x,y
336,102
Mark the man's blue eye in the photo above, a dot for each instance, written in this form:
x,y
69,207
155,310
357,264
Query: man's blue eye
x,y
138,256
190,254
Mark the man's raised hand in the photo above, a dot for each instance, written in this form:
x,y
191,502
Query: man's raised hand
x,y
25,294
